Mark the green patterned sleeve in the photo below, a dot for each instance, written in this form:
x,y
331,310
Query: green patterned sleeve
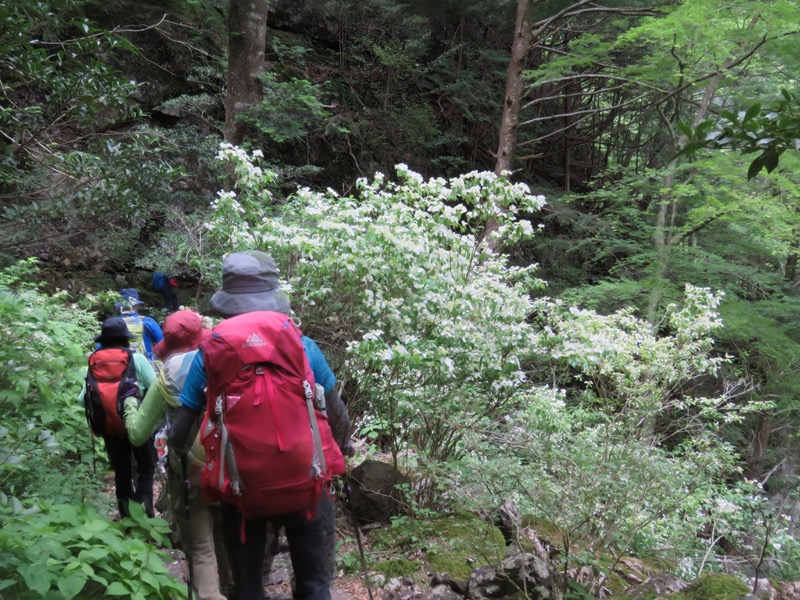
x,y
141,421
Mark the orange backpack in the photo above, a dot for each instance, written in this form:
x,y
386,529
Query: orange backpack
x,y
110,379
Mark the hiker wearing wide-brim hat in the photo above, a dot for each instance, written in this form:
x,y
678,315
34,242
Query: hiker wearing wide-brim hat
x,y
210,575
114,332
250,284
114,346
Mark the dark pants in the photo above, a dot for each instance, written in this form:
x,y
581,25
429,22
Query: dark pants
x,y
170,300
120,453
308,542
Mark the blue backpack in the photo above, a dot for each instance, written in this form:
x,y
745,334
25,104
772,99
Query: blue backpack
x,y
160,282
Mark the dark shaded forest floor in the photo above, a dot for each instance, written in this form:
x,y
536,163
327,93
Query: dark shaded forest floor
x,y
278,585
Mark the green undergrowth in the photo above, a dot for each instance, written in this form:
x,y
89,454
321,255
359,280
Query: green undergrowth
x,y
68,551
455,544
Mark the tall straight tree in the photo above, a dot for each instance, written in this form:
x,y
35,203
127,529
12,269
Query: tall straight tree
x,y
523,37
247,32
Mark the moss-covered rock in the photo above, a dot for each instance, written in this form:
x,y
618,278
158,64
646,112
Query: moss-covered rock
x,y
714,587
454,543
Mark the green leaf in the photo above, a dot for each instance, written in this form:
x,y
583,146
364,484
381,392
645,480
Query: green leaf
x,y
752,112
37,579
71,566
685,129
118,589
771,158
71,585
95,526
93,554
703,128
755,167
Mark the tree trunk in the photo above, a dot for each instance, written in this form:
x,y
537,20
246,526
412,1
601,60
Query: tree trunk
x,y
247,32
761,437
523,37
791,264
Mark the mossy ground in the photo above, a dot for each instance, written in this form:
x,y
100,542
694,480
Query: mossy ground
x,y
455,544
714,587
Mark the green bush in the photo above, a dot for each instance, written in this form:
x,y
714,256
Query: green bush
x,y
54,541
69,551
44,439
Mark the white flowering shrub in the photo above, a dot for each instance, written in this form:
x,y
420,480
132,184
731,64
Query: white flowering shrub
x,y
588,458
447,357
433,322
637,375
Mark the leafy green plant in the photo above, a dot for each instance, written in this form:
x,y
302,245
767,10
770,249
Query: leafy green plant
x,y
68,551
289,109
768,129
42,364
350,561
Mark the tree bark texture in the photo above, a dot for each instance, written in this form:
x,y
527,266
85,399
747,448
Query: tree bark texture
x,y
509,124
523,37
247,27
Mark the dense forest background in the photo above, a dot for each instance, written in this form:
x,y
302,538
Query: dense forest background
x,y
623,287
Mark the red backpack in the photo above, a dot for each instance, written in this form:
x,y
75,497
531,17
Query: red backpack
x,y
110,379
269,451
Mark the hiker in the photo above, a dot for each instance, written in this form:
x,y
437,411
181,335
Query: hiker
x,y
201,534
146,331
165,285
231,366
109,378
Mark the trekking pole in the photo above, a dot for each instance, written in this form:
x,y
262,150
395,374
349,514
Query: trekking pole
x,y
348,492
94,468
187,543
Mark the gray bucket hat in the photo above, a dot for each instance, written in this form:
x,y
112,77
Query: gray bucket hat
x,y
249,283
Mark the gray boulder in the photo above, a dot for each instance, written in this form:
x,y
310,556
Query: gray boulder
x,y
374,494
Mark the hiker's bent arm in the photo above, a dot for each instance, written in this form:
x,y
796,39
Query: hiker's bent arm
x,y
316,360
153,329
141,421
180,434
144,371
338,418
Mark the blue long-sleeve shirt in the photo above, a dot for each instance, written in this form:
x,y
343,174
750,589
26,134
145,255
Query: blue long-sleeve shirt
x,y
193,395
